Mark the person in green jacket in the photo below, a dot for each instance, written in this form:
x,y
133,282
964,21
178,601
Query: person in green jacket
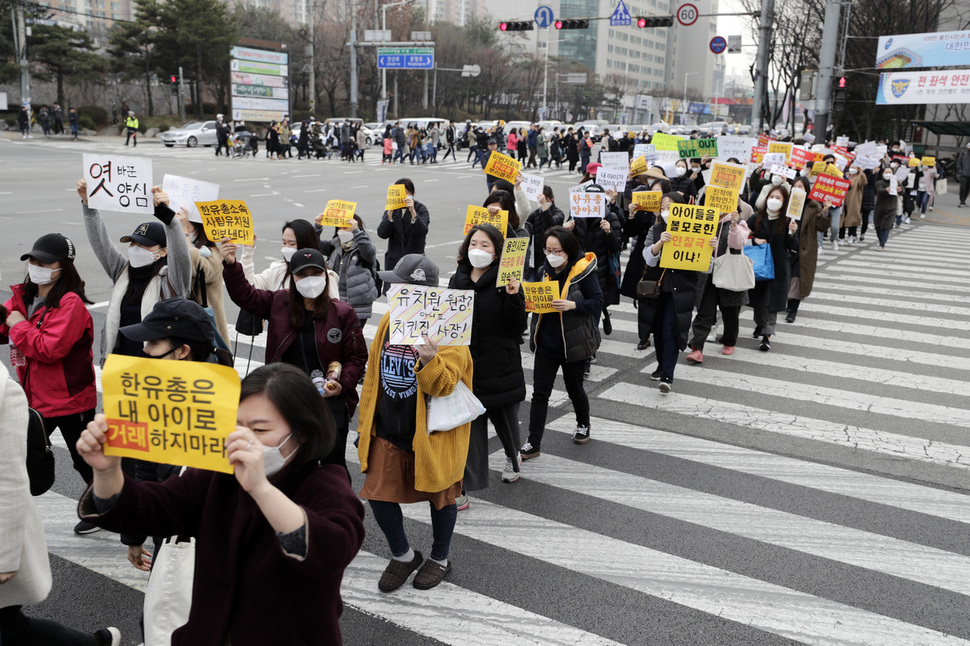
x,y
132,124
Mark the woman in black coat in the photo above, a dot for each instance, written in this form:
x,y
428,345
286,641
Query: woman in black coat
x,y
771,226
682,182
868,202
571,147
885,209
405,230
498,382
637,226
545,217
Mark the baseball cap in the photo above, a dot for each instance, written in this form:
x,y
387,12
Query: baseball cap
x,y
414,268
492,141
308,257
178,317
592,168
148,234
51,248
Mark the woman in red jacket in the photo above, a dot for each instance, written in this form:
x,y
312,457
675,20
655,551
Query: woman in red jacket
x,y
309,330
51,335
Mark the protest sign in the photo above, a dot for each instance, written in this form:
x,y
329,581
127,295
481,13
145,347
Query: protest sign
x,y
617,161
227,219
866,163
796,203
764,139
338,213
801,157
663,141
160,412
729,146
539,296
184,192
639,165
512,264
913,162
502,166
842,142
648,200
725,200
586,205
612,178
784,171
829,186
902,174
646,151
781,147
691,229
397,197
119,183
817,169
868,149
928,161
445,315
773,159
894,186
728,175
532,185
841,161
691,148
475,215
758,154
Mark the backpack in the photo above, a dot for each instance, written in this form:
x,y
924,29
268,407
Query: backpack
x,y
40,455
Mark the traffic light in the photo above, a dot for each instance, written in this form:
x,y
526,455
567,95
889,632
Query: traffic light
x,y
644,22
175,84
842,82
579,23
516,25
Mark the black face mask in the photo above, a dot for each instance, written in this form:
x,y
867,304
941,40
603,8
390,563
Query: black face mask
x,y
161,356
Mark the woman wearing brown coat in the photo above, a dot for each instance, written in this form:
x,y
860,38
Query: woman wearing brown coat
x,y
852,213
815,219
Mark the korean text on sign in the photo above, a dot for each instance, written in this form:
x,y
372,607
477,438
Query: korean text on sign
x,y
502,166
160,412
539,296
586,205
227,219
338,213
119,183
184,192
829,186
532,185
697,148
639,164
725,200
512,264
397,197
479,215
445,315
648,200
781,147
691,229
728,175
796,203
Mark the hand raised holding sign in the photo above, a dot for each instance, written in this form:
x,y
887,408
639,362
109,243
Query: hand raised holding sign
x,y
82,189
426,350
512,287
228,251
245,453
108,478
159,196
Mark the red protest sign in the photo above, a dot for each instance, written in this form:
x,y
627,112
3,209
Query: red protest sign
x,y
830,186
758,153
763,140
800,157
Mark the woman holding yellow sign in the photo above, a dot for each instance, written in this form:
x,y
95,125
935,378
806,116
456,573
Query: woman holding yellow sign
x,y
405,229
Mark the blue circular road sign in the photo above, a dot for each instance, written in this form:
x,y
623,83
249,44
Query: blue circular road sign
x,y
544,16
718,44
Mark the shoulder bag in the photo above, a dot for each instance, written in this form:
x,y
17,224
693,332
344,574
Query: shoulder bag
x,y
40,456
649,288
454,410
764,264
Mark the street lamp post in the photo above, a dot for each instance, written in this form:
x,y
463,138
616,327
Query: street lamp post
x,y
686,74
384,28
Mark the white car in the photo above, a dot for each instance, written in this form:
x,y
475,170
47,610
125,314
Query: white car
x,y
191,134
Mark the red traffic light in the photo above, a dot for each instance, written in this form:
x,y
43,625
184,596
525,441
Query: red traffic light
x,y
559,24
504,26
174,79
578,23
842,82
516,25
641,23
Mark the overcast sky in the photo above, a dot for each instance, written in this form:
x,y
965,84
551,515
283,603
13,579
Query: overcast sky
x,y
737,64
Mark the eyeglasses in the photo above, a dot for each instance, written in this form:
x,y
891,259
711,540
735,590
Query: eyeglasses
x,y
548,251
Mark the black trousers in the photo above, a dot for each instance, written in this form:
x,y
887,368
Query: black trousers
x,y
704,318
544,376
71,427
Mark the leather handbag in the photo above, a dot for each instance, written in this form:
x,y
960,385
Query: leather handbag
x,y
650,288
734,272
764,264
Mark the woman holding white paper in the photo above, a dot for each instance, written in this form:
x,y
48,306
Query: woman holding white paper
x,y
886,205
804,260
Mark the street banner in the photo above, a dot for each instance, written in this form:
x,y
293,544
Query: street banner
x,y
539,296
397,197
512,264
927,87
691,148
445,315
502,166
227,219
184,192
338,213
829,186
586,205
476,215
118,183
160,412
648,200
725,200
691,229
936,49
796,203
730,146
532,185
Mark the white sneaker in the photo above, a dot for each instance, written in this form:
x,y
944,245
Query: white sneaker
x,y
922,216
835,245
821,250
855,239
906,221
509,474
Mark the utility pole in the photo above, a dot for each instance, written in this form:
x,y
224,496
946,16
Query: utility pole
x,y
826,63
20,45
761,71
353,62
311,52
181,97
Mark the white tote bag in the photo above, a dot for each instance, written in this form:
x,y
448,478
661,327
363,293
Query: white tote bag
x,y
941,186
169,593
734,272
456,409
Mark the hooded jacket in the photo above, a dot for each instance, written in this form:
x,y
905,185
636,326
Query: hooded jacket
x,y
580,335
356,282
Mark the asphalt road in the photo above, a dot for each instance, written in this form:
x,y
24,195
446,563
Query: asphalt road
x,y
813,494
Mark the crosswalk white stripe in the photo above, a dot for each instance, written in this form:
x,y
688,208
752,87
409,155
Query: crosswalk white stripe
x,y
876,335
862,273
813,475
858,300
907,287
828,287
787,424
928,272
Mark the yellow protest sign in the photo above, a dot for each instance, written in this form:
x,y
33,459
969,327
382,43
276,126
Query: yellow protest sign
x,y
648,200
512,264
728,175
170,412
338,213
817,169
796,203
397,197
480,215
725,200
928,161
913,162
539,296
638,166
691,229
227,219
780,147
502,166
663,141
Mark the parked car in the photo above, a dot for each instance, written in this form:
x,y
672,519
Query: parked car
x,y
191,134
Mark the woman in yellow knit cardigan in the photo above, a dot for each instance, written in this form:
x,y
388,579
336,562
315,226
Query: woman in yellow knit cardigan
x,y
402,462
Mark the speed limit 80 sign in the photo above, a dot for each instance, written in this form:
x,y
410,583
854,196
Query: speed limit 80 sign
x,y
687,14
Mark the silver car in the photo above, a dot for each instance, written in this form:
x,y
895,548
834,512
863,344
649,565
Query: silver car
x,y
191,134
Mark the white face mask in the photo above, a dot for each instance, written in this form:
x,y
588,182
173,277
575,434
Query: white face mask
x,y
695,169
894,164
665,215
40,275
139,257
776,180
346,237
555,260
288,253
273,459
480,259
853,171
774,204
803,172
311,286
887,176
681,171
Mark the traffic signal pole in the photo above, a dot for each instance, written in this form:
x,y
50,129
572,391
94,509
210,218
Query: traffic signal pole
x,y
826,68
761,70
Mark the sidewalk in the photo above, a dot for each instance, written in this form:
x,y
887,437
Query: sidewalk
x,y
945,209
14,135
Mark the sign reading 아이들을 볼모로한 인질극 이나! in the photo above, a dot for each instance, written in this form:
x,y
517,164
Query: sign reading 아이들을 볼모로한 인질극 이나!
x,y
512,264
227,219
502,166
829,186
539,296
184,192
117,183
691,229
445,315
158,411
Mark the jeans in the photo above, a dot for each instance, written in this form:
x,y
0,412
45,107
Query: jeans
x,y
71,427
17,629
665,338
883,237
834,228
398,155
922,201
391,521
543,161
74,130
544,376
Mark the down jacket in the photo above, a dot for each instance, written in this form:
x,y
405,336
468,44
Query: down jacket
x,y
578,326
354,267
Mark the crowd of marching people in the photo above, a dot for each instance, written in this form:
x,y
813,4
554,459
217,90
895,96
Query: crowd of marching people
x,y
288,517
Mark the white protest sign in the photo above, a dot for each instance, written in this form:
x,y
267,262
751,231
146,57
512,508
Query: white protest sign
x,y
617,161
893,186
842,142
902,173
586,205
772,159
739,148
866,163
612,178
867,149
186,191
779,169
445,315
646,151
841,162
119,183
532,185
881,150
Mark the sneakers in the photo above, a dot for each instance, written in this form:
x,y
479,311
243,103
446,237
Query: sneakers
x,y
511,472
397,572
462,501
528,451
862,238
835,245
431,574
907,220
110,636
643,345
727,350
582,435
765,346
880,248
821,250
607,323
922,216
84,527
756,333
695,357
664,387
655,375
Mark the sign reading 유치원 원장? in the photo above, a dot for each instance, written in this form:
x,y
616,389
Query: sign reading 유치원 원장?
x,y
691,229
445,315
121,184
227,219
512,264
539,296
158,411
